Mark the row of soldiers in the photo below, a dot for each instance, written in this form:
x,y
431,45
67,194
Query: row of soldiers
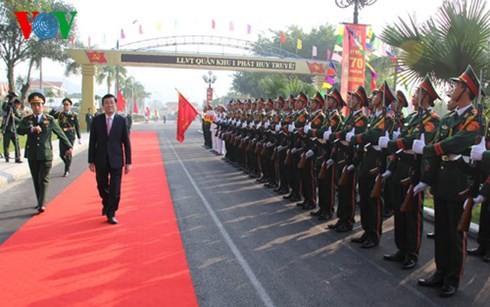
x,y
312,154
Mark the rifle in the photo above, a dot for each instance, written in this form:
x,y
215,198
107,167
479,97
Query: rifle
x,y
414,178
465,221
324,168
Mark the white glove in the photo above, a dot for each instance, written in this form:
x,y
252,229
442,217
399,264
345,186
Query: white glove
x,y
266,124
244,124
329,163
479,199
238,123
350,134
310,153
396,134
418,145
258,125
291,128
277,128
386,174
294,150
326,134
383,140
476,153
420,187
351,167
306,128
79,141
279,147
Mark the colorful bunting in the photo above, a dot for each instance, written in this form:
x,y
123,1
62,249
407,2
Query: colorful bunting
x,y
299,44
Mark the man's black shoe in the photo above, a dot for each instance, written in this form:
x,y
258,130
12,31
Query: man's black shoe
x,y
308,206
431,235
284,191
343,228
289,196
479,251
486,258
368,244
66,174
359,240
300,204
396,257
333,226
448,291
316,213
434,281
325,216
104,211
409,263
295,198
41,209
18,161
277,189
112,220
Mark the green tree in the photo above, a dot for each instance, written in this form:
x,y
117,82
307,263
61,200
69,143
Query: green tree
x,y
15,49
444,45
108,75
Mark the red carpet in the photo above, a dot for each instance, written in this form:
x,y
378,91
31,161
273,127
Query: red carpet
x,y
70,255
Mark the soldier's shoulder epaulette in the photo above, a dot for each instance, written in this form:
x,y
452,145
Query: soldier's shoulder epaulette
x,y
434,114
49,117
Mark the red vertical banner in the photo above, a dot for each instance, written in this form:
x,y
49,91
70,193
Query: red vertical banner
x,y
353,60
209,96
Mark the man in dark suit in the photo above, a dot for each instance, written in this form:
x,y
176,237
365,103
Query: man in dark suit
x,y
108,134
39,151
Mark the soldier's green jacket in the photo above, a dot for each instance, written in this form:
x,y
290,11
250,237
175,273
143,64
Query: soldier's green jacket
x,y
38,145
69,124
376,126
17,118
455,136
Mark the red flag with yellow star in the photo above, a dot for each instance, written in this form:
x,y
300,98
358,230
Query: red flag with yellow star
x,y
316,68
186,115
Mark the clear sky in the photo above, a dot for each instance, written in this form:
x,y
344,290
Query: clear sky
x,y
102,21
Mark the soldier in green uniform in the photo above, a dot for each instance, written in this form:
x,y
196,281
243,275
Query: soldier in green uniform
x,y
284,170
345,159
481,153
11,119
307,166
447,157
406,168
39,151
372,208
70,125
326,173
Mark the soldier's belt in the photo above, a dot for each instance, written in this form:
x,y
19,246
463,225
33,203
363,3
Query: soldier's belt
x,y
68,129
451,157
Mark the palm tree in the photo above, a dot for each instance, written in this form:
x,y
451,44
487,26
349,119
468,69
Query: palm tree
x,y
108,74
444,45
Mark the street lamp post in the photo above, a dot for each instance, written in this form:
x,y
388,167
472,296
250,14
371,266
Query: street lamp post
x,y
358,4
209,79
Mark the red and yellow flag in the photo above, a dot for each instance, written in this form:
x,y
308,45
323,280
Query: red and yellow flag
x,y
186,115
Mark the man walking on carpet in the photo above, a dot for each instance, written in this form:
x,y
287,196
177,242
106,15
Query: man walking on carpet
x,y
108,135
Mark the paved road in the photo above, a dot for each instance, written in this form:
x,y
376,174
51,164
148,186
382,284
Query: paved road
x,y
247,247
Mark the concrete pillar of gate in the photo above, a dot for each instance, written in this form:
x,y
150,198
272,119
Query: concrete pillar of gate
x,y
88,92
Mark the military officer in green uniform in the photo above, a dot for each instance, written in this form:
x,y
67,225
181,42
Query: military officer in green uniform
x,y
406,167
481,153
372,208
11,119
39,150
70,125
345,159
447,157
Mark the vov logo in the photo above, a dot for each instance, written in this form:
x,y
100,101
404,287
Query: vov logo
x,y
45,25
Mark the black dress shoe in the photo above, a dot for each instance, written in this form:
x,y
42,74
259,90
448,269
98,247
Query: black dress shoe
x,y
369,244
396,257
277,189
408,264
431,235
343,228
316,213
289,196
325,217
359,240
104,211
434,281
479,251
333,226
300,204
66,174
112,220
283,192
486,258
295,198
308,206
18,161
448,291
41,209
